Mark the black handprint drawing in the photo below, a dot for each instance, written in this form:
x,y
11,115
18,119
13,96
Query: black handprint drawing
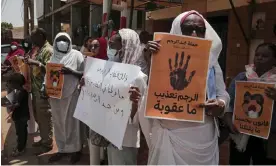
x,y
178,75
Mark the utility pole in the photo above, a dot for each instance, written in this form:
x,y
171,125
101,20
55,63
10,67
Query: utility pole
x,y
28,16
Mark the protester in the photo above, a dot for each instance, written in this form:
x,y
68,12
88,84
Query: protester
x,y
241,152
15,50
27,44
99,48
189,143
20,111
128,42
86,44
42,107
113,53
67,129
128,51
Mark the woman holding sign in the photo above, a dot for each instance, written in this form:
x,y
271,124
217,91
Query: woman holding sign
x,y
67,129
190,143
127,43
246,147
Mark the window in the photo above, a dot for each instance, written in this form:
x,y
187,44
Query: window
x,y
5,49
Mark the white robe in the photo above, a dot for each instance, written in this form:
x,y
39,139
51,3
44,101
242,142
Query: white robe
x,y
186,143
67,129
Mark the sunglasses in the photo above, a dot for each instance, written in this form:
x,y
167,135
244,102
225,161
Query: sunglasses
x,y
189,29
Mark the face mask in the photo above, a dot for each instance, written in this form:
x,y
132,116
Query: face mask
x,y
26,44
13,47
62,46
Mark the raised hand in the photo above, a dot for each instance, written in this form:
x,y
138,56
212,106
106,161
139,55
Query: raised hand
x,y
178,75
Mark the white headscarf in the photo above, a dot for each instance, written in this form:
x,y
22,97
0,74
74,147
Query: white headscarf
x,y
73,59
209,35
70,58
132,51
179,143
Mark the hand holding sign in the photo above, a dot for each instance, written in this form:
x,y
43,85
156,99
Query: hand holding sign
x,y
178,75
271,93
214,107
66,70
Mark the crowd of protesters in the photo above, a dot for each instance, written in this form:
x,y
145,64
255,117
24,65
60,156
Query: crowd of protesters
x,y
169,142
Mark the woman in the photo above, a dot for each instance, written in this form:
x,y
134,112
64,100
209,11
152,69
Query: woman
x,y
127,43
188,143
15,50
67,129
99,48
241,152
86,44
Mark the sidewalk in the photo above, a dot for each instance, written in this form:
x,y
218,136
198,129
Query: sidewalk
x,y
8,142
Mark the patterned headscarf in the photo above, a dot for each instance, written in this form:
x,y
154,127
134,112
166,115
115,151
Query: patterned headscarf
x,y
132,51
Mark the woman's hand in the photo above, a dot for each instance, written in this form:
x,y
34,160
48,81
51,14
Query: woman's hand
x,y
82,82
271,93
153,46
135,96
214,107
228,120
30,61
66,70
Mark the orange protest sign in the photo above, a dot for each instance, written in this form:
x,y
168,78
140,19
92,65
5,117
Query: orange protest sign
x,y
178,78
54,80
15,63
253,109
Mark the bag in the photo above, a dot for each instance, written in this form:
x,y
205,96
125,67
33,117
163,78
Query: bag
x,y
98,140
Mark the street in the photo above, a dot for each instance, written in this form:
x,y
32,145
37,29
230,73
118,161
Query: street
x,y
8,136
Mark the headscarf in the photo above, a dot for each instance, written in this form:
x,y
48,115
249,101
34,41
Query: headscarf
x,y
171,139
73,59
103,49
132,51
68,59
209,35
18,51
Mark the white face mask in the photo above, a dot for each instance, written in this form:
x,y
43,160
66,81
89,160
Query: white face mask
x,y
62,46
26,44
13,47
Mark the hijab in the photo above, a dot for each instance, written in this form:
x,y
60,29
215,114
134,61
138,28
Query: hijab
x,y
69,58
210,34
132,51
72,59
103,49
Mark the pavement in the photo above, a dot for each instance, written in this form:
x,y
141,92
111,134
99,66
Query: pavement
x,y
8,142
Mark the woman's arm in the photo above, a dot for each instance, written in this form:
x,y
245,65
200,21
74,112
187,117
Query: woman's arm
x,y
221,92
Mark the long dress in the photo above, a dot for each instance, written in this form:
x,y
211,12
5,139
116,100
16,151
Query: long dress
x,y
68,130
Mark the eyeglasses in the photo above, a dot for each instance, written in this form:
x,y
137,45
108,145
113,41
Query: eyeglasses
x,y
189,29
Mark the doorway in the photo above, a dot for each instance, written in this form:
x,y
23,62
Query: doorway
x,y
220,25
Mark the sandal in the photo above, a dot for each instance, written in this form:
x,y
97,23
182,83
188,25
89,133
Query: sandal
x,y
16,153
